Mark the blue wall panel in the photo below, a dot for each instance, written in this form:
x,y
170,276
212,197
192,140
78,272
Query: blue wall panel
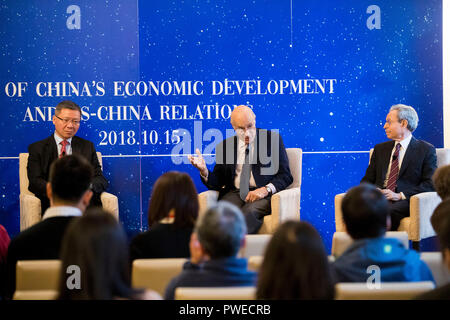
x,y
167,43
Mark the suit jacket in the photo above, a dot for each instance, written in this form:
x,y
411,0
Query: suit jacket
x,y
271,164
44,152
39,242
418,166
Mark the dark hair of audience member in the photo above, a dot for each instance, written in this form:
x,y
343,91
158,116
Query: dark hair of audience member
x,y
440,214
365,211
295,265
97,244
70,177
441,181
443,229
174,190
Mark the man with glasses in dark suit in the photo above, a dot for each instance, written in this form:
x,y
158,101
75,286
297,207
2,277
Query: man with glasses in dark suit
x,y
62,142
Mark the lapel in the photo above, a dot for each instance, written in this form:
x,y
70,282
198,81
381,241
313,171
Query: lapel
x,y
254,157
235,148
386,159
75,145
409,155
52,149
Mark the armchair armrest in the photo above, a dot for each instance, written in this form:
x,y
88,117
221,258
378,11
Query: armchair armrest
x,y
285,206
110,203
206,199
30,210
340,225
421,207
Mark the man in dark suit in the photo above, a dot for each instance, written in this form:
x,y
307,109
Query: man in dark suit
x,y
69,193
63,142
404,166
250,167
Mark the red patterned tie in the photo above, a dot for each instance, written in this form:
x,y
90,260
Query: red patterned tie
x,y
63,143
393,174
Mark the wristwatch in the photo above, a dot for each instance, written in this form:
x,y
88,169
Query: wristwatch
x,y
269,190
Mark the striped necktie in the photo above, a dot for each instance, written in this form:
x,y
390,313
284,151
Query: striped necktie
x,y
393,174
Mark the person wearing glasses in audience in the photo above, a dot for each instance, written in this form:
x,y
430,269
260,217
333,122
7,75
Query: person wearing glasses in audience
x,y
62,142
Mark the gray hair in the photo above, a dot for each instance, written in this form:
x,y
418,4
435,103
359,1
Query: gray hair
x,y
220,230
407,113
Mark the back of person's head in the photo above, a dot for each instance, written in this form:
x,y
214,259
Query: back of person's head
x,y
70,177
67,104
440,214
96,245
174,191
444,238
441,181
295,265
365,212
221,230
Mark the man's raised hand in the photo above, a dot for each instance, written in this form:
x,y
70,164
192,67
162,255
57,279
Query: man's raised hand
x,y
199,163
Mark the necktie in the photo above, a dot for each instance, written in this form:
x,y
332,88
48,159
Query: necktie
x,y
244,182
63,143
393,174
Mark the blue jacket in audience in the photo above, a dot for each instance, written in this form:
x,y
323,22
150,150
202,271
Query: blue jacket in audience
x,y
227,272
396,263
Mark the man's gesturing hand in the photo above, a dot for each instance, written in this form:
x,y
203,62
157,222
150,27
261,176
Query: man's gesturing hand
x,y
199,163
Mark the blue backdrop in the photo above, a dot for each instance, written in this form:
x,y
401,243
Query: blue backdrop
x,y
323,73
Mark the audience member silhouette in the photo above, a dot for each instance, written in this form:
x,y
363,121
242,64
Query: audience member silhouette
x,y
94,256
172,214
218,235
366,217
296,250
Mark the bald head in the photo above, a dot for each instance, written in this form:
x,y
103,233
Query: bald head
x,y
243,121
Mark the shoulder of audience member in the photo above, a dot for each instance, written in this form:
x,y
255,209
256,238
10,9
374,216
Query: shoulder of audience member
x,y
149,295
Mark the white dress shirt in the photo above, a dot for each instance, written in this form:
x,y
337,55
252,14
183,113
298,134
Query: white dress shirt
x,y
62,211
58,140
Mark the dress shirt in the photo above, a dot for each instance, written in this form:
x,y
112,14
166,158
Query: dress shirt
x,y
61,211
240,161
403,146
58,140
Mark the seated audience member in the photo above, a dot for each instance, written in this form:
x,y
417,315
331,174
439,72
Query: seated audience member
x,y
69,193
4,243
295,249
97,244
218,235
366,216
442,292
172,214
441,181
441,213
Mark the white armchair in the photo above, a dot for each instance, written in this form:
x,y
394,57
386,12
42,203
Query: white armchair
x,y
285,204
30,206
421,207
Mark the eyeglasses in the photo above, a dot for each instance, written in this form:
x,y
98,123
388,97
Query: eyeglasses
x,y
66,121
243,130
389,122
